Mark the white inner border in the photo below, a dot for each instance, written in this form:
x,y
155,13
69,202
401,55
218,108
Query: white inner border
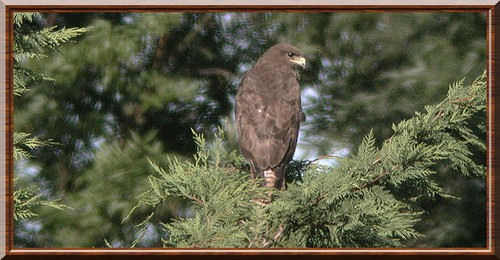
x,y
253,2
490,127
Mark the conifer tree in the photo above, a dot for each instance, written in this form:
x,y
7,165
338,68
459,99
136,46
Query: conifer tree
x,y
367,200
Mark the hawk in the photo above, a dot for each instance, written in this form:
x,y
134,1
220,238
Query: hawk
x,y
268,113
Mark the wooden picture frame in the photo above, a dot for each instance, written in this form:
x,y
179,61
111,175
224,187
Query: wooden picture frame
x,y
6,155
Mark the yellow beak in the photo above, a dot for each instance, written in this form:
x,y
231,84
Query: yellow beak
x,y
301,61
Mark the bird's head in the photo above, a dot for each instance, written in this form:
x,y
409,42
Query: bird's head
x,y
286,54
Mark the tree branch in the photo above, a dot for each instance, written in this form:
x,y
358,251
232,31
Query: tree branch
x,y
275,237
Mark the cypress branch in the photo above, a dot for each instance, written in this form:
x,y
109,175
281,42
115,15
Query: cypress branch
x,y
28,200
32,44
364,201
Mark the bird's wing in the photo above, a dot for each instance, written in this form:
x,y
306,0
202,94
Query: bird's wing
x,y
268,125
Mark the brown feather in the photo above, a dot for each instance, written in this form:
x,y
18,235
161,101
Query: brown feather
x,y
268,114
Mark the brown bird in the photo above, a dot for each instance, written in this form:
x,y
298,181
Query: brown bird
x,y
268,113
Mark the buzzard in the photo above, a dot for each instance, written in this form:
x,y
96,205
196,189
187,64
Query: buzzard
x,y
268,113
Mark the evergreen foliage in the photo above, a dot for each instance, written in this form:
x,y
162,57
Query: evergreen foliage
x,y
108,200
27,201
23,143
365,201
32,44
35,44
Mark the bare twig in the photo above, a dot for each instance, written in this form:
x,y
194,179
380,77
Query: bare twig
x,y
280,231
375,180
160,50
217,71
323,157
379,159
440,113
275,237
317,200
186,42
198,201
262,202
371,183
460,100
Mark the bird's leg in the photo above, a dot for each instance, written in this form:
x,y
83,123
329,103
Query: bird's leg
x,y
269,178
269,182
283,183
253,171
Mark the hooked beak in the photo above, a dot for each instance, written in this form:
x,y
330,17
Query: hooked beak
x,y
301,61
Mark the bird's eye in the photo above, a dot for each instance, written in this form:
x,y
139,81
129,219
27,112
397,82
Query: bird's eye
x,y
290,54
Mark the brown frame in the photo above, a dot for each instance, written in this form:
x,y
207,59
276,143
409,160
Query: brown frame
x,y
490,252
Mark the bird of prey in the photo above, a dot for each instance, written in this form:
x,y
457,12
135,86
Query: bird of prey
x,y
268,113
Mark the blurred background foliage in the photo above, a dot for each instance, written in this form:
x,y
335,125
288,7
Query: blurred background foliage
x,y
134,85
